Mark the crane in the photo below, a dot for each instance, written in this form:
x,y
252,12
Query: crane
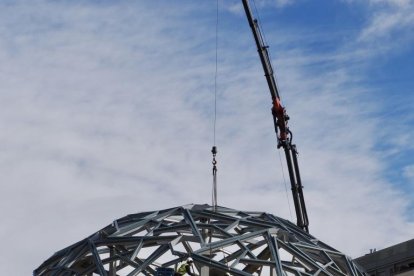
x,y
280,120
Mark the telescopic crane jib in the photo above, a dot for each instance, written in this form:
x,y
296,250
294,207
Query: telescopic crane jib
x,y
280,118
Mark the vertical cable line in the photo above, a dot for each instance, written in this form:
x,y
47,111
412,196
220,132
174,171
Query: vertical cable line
x,y
214,149
286,189
215,77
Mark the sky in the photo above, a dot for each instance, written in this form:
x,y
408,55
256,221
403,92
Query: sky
x,y
107,107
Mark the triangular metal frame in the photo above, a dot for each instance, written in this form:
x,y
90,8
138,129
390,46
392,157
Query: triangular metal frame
x,y
222,239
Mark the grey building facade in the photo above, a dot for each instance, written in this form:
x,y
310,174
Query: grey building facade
x,y
394,260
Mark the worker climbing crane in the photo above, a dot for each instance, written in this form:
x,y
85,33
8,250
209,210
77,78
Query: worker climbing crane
x,y
280,119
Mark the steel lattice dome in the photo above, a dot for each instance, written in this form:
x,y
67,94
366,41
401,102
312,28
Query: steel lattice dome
x,y
218,239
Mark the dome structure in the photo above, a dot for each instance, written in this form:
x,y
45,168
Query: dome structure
x,y
219,240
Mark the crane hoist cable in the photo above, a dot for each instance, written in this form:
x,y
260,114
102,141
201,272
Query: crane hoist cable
x,y
214,148
285,183
214,195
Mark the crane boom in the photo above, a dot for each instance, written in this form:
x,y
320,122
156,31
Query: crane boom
x,y
280,118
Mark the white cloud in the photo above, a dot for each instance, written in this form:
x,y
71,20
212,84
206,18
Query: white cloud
x,y
283,3
109,112
276,3
388,17
409,172
236,7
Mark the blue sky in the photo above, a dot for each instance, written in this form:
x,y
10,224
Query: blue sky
x,y
106,109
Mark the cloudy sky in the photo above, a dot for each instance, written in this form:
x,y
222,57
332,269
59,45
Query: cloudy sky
x,y
106,109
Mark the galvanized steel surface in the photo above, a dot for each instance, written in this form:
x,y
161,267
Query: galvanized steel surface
x,y
225,240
